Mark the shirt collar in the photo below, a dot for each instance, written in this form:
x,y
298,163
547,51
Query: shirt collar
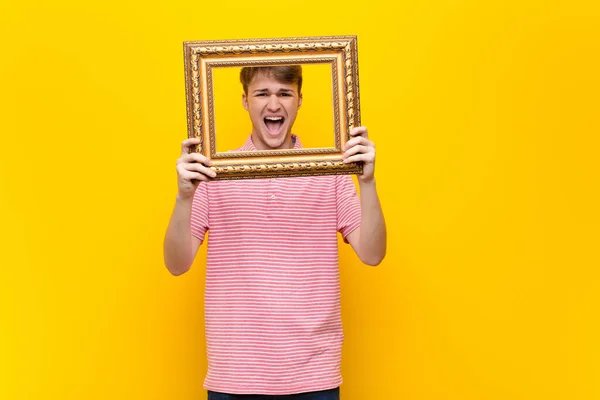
x,y
249,145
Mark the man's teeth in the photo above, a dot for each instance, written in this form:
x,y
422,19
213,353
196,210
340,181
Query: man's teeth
x,y
274,118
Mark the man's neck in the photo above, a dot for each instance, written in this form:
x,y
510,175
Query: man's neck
x,y
288,143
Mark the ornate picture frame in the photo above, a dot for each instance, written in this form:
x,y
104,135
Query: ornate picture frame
x,y
339,51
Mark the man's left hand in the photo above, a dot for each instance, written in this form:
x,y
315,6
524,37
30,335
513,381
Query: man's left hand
x,y
360,148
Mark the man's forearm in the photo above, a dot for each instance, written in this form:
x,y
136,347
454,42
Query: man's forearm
x,y
178,250
373,236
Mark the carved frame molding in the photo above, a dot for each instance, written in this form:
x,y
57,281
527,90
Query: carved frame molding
x,y
339,51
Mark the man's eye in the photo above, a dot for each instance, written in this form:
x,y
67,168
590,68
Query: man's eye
x,y
261,95
285,94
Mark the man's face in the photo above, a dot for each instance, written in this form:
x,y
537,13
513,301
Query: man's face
x,y
273,107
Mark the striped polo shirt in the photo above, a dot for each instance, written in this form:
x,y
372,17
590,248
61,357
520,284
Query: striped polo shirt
x,y
272,295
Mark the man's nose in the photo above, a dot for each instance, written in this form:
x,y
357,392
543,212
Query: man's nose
x,y
273,104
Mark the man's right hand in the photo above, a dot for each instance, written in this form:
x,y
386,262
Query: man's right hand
x,y
192,168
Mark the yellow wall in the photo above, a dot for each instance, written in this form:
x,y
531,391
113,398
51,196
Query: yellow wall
x,y
314,123
485,115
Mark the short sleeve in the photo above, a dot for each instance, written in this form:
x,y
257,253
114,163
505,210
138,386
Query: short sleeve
x,y
199,220
348,205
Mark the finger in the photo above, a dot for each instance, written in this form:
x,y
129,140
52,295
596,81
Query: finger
x,y
199,158
200,168
355,150
187,144
366,158
195,177
352,142
185,168
358,141
359,130
194,158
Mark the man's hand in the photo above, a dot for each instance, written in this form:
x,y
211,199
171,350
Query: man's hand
x,y
192,168
360,148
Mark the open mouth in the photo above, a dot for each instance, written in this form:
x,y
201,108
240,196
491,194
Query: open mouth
x,y
274,124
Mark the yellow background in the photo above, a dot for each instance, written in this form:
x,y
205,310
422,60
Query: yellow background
x,y
314,121
485,116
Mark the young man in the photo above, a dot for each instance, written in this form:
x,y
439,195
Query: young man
x,y
272,296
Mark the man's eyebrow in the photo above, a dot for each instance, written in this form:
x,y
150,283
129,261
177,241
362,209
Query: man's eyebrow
x,y
266,90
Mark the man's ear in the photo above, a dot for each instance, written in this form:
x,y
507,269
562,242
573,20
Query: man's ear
x,y
245,101
299,100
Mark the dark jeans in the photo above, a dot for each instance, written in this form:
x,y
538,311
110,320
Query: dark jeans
x,y
331,394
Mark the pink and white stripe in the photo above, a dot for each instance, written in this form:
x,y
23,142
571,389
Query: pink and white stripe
x,y
272,296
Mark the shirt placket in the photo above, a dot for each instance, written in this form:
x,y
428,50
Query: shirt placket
x,y
272,197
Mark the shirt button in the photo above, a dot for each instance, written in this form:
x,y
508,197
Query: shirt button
x,y
272,179
272,196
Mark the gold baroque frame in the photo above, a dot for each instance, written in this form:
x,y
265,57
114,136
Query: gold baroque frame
x,y
339,51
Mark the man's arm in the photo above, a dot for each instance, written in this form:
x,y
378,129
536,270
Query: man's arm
x,y
369,240
180,247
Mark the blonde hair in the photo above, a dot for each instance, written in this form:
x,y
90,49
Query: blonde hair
x,y
282,73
